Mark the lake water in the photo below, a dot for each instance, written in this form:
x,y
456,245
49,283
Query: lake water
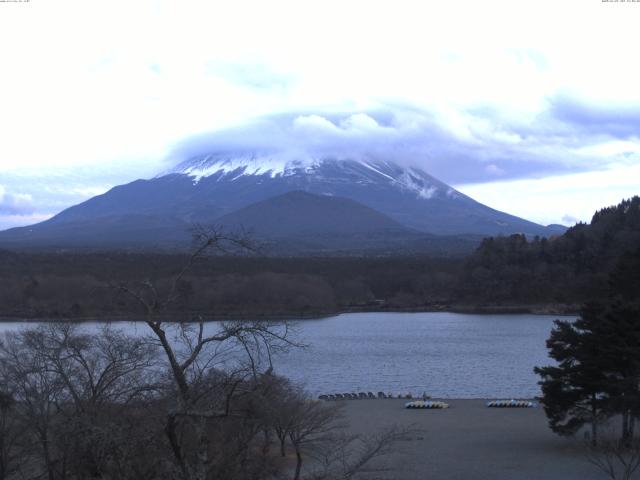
x,y
445,354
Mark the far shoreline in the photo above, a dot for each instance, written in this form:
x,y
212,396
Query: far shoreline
x,y
542,310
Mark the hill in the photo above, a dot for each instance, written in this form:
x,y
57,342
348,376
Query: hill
x,y
571,268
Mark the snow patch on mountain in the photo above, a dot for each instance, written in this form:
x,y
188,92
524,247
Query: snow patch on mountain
x,y
238,164
250,165
414,181
232,166
371,167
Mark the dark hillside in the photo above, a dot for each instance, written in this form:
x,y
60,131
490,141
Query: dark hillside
x,y
571,268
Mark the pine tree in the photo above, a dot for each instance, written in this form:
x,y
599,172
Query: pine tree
x,y
598,371
618,330
573,391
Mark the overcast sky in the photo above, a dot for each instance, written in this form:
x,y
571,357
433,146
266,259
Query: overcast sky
x,y
532,107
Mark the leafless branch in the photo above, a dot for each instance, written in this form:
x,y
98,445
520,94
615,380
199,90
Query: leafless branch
x,y
617,459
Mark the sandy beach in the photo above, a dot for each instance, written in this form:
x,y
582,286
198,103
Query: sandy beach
x,y
471,441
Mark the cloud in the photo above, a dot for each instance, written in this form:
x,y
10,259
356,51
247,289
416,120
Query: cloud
x,y
468,105
471,146
569,220
563,199
17,209
43,195
18,204
10,221
620,121
494,170
253,75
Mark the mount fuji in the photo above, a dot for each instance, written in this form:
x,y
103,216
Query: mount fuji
x,y
323,204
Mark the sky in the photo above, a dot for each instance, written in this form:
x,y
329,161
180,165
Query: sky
x,y
531,107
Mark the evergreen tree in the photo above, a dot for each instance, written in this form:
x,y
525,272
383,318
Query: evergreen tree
x,y
618,331
624,281
573,390
598,371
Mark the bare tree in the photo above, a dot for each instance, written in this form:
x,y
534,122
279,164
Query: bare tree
x,y
192,351
73,391
316,432
311,423
344,457
38,392
101,375
618,459
10,436
281,402
109,367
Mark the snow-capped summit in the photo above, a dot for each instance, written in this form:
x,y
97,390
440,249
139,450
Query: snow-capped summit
x,y
241,164
230,167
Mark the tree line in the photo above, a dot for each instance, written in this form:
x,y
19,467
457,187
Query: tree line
x,y
570,269
75,286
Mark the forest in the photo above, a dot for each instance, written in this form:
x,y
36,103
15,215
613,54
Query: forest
x,y
510,273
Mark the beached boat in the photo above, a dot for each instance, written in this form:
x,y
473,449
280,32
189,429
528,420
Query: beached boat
x,y
426,404
511,404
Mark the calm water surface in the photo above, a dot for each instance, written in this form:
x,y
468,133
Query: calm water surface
x,y
445,354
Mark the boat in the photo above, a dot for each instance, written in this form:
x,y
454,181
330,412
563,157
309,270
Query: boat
x,y
430,404
511,404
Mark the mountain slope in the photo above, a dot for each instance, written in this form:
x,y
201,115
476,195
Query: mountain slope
x,y
408,195
301,223
301,213
210,189
107,231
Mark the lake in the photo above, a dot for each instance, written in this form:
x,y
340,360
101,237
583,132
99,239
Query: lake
x,y
447,355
